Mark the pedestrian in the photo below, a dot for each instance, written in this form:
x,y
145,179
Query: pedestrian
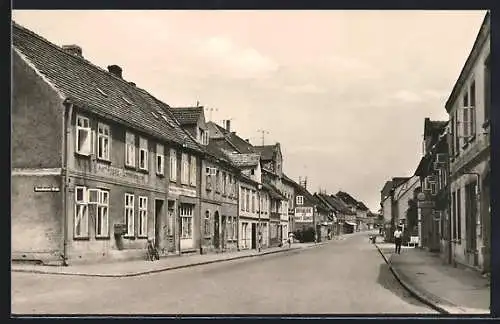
x,y
290,239
397,239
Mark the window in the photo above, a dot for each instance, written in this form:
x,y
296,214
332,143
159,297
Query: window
x,y
130,149
242,199
217,181
235,228
160,160
206,137
207,223
300,200
143,153
102,219
252,171
129,215
184,169
229,227
253,201
469,111
247,200
224,183
192,174
173,165
186,221
143,216
230,185
103,143
83,136
453,135
487,88
81,223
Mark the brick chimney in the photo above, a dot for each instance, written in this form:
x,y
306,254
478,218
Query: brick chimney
x,y
115,70
73,50
228,126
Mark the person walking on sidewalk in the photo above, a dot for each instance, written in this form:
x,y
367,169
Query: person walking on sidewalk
x,y
398,236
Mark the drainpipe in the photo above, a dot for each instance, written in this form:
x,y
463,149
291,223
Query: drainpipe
x,y
238,216
68,112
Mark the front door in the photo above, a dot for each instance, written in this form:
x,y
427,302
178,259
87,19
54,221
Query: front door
x,y
223,233
254,235
171,246
216,230
159,228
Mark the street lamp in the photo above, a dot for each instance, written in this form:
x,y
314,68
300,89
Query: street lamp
x,y
259,188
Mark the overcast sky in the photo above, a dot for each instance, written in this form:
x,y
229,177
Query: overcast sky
x,y
344,92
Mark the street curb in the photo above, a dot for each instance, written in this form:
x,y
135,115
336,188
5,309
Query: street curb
x,y
413,290
141,273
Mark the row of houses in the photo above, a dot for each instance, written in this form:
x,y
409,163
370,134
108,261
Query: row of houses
x,y
100,166
446,203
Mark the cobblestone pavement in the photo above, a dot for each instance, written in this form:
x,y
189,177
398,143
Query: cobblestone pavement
x,y
345,276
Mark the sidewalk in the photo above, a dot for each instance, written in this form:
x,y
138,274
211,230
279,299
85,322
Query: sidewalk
x,y
142,267
448,289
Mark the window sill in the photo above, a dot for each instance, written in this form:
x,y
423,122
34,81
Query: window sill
x,y
160,175
81,238
106,237
146,171
142,236
83,155
130,237
130,167
107,161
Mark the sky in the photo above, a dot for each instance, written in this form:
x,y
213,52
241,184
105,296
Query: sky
x,y
345,93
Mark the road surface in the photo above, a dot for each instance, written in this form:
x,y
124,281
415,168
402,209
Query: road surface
x,y
347,276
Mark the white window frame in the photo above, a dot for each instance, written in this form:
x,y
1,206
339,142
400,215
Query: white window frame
x,y
81,216
129,214
83,125
143,152
207,231
184,168
173,165
143,216
192,172
186,215
103,141
299,200
102,217
160,160
130,149
242,199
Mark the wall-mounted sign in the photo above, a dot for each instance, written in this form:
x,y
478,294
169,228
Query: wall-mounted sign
x,y
304,214
46,189
181,191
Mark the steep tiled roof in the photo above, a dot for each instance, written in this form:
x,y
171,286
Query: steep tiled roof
x,y
362,206
266,151
341,205
96,90
347,198
242,160
215,130
273,191
433,127
187,115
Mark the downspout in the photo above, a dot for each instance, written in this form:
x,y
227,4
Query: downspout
x,y
68,112
238,216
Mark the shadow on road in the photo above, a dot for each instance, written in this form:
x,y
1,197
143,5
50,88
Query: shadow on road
x,y
386,279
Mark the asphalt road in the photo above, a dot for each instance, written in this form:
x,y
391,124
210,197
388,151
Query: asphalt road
x,y
341,277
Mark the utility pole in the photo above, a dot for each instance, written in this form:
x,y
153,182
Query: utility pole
x,y
263,131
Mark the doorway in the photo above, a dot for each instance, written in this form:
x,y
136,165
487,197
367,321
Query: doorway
x,y
254,236
223,233
159,228
171,246
216,230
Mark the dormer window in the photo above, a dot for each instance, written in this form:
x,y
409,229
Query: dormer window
x,y
203,136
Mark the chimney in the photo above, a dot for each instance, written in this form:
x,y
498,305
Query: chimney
x,y
228,126
115,70
73,50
